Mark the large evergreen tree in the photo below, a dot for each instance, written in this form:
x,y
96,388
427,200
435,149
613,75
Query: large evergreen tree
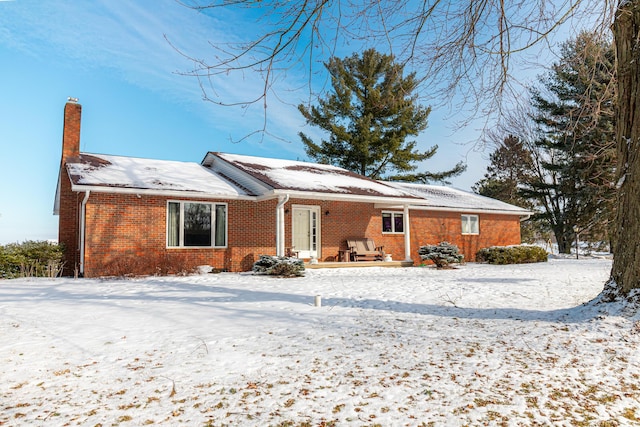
x,y
369,116
576,149
511,165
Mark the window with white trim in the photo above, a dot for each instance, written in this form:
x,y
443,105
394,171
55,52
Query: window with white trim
x,y
470,224
392,222
196,224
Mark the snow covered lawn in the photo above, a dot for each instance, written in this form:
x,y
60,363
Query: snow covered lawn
x,y
480,345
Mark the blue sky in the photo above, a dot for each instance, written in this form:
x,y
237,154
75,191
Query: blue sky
x,y
114,57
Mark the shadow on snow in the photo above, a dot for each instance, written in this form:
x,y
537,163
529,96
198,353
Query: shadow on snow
x,y
153,291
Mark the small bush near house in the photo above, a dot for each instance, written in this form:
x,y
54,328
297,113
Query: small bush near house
x,y
443,254
279,266
512,254
30,259
149,265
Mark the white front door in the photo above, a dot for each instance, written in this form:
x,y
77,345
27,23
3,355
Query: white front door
x,y
306,231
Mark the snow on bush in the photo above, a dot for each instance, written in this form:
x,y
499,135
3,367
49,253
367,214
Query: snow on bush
x,y
279,266
443,254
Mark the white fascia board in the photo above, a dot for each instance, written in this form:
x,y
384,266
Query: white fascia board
x,y
218,164
461,210
357,198
164,193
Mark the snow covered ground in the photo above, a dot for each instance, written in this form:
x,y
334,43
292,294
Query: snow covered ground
x,y
479,345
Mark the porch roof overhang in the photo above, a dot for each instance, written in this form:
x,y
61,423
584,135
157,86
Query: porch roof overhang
x,y
462,210
450,199
386,201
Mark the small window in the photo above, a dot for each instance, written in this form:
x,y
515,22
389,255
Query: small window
x,y
470,224
193,224
392,222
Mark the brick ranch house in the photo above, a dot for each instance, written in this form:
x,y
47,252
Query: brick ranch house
x,y
121,215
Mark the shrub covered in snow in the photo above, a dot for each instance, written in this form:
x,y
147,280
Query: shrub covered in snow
x,y
512,254
443,254
279,266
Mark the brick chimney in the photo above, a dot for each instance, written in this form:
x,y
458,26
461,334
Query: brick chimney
x,y
69,202
71,129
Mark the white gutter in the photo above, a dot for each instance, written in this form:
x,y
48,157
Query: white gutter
x,y
83,209
469,210
280,235
359,198
153,192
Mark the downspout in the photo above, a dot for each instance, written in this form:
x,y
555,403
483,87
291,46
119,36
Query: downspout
x,y
83,209
280,235
407,235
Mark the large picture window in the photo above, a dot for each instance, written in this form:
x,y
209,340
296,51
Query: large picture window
x,y
470,224
392,222
196,224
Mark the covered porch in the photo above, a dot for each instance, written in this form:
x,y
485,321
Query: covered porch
x,y
305,230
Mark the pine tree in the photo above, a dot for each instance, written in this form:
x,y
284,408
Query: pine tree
x,y
369,115
575,114
511,166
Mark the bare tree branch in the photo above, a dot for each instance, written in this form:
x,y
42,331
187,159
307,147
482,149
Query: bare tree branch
x,y
464,46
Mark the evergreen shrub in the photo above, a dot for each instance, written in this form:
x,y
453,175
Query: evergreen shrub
x,y
31,259
521,254
279,266
442,255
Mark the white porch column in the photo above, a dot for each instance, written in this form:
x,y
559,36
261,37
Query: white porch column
x,y
282,200
407,234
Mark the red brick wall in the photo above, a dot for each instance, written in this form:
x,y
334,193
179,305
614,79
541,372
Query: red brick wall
x,y
69,214
346,220
432,227
126,234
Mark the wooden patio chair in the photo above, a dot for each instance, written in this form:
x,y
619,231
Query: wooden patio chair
x,y
364,250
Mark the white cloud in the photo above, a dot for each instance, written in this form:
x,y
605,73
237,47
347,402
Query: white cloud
x,y
130,38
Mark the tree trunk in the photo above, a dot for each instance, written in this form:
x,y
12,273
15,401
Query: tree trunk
x,y
626,263
564,239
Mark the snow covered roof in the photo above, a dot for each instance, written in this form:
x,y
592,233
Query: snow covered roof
x,y
290,175
100,170
223,175
447,198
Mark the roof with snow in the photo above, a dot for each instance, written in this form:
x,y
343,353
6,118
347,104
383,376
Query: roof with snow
x,y
452,198
290,175
224,175
100,170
